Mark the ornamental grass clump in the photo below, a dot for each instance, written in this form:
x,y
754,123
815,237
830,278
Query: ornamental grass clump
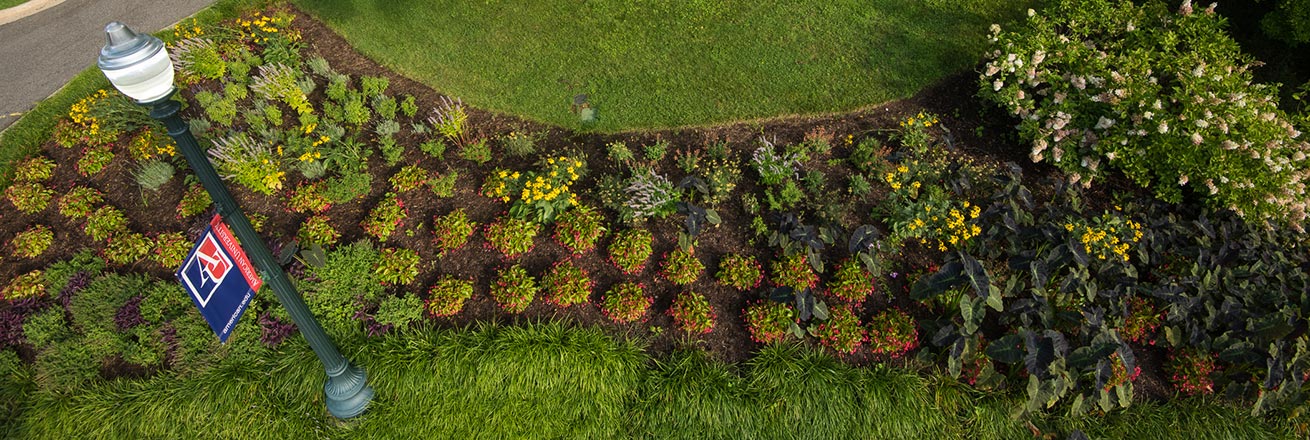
x,y
566,284
841,332
852,283
514,289
1166,97
578,229
681,267
692,313
741,272
769,321
630,250
512,237
626,302
794,271
446,298
452,230
892,333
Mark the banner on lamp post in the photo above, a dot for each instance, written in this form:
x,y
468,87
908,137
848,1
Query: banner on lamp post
x,y
219,278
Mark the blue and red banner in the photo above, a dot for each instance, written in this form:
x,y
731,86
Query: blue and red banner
x,y
219,278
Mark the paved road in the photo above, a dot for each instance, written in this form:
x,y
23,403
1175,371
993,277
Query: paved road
x,y
41,52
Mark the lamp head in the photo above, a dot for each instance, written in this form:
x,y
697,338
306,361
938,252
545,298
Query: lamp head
x,y
136,64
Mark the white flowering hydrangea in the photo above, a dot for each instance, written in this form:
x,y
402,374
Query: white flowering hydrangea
x,y
1162,94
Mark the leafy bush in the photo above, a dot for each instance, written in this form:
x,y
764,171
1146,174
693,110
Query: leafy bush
x,y
35,169
1165,97
630,250
127,248
618,151
851,283
408,107
773,167
279,82
769,322
28,285
409,178
94,160
105,222
446,298
566,284
542,194
681,267
318,229
794,271
250,163
1190,370
626,302
740,272
478,151
374,86
452,230
169,249
512,237
433,147
385,217
927,214
30,197
399,311
46,327
841,332
78,201
514,289
385,106
655,152
33,241
578,229
443,186
195,200
892,333
519,144
692,313
396,266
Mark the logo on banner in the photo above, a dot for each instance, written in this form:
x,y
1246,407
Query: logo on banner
x,y
205,272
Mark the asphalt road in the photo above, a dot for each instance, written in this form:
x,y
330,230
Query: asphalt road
x,y
41,52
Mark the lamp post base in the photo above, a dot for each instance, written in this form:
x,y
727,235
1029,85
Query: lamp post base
x,y
348,393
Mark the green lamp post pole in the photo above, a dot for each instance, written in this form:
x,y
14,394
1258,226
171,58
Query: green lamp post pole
x,y
139,67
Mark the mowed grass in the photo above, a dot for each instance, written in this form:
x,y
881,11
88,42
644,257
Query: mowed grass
x,y
655,63
549,381
6,4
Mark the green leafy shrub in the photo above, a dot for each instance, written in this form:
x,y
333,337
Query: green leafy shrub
x,y
318,229
852,283
514,289
345,282
217,108
127,248
579,228
841,332
197,58
309,197
681,267
354,112
538,194
46,327
78,201
408,106
773,167
478,151
794,271
348,186
409,178
385,217
1167,98
33,241
170,248
28,285
769,322
443,186
1190,371
29,197
35,169
519,144
626,302
279,82
618,151
452,230
250,163
446,298
512,237
741,272
655,152
566,284
396,266
385,106
195,200
399,311
374,86
433,147
692,313
630,250
892,333
105,222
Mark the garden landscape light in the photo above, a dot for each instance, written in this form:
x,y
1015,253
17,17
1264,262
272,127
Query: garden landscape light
x,y
138,66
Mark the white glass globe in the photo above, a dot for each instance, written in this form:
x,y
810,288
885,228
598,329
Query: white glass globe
x,y
146,81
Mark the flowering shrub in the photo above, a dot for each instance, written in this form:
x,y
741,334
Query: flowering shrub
x,y
169,249
385,217
409,178
852,283
309,197
127,248
249,163
681,267
83,126
33,241
773,167
195,200
78,201
1106,236
317,229
148,144
451,120
514,289
1142,320
892,333
626,302
841,332
511,236
1189,370
1165,97
692,313
630,249
36,169
538,195
452,230
105,222
396,266
29,197
794,271
28,285
928,214
447,297
579,228
769,321
566,284
649,195
740,272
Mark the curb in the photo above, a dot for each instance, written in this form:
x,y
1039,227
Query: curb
x,y
26,9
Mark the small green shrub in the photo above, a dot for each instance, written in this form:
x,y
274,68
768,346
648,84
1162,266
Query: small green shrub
x,y
892,333
769,322
618,151
452,230
35,169
852,283
396,266
318,229
385,217
47,327
514,289
512,237
29,197
28,285
435,148
409,178
626,302
348,186
33,241
195,200
655,152
374,86
153,174
443,186
794,271
385,106
478,152
126,248
578,229
566,284
408,106
78,202
309,197
519,144
336,290
105,222
741,272
446,298
399,311
169,249
841,332
630,250
248,162
451,120
692,313
681,267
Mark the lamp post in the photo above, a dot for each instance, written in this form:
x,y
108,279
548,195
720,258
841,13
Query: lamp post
x,y
139,67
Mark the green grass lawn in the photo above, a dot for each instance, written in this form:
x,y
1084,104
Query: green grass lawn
x,y
547,381
6,4
648,63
